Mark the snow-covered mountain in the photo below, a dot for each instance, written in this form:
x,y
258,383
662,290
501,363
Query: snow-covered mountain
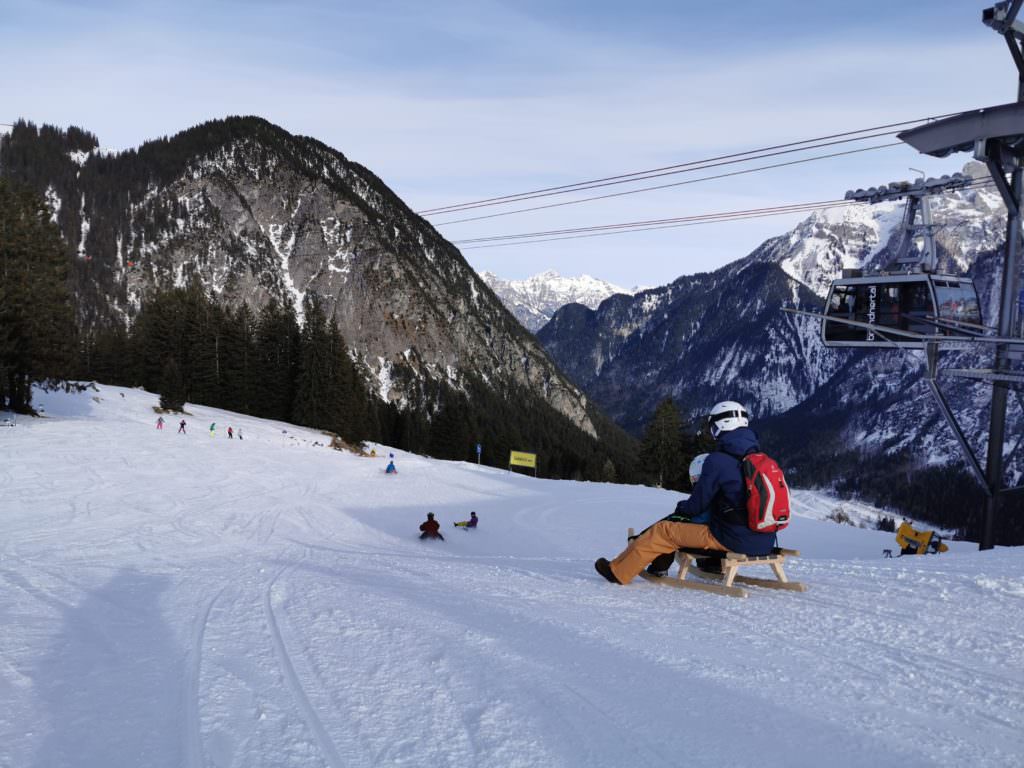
x,y
724,336
971,222
693,340
175,600
254,213
534,300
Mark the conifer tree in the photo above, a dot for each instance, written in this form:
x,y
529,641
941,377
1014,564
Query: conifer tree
x,y
662,446
239,382
172,388
36,318
277,346
353,399
449,433
317,399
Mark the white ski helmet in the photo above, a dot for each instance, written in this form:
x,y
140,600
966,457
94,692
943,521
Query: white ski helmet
x,y
727,416
695,468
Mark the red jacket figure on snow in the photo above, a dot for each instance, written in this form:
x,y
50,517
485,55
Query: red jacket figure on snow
x,y
431,528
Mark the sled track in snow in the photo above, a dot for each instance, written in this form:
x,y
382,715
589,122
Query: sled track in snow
x,y
193,730
323,739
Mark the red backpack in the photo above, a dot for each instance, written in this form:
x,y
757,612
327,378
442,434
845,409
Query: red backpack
x,y
767,494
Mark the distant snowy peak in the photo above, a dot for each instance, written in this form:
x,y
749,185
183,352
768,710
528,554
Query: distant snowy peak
x,y
534,300
862,236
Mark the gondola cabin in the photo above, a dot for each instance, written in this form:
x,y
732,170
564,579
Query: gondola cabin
x,y
918,303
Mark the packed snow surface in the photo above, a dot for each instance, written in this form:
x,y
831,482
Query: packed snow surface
x,y
188,600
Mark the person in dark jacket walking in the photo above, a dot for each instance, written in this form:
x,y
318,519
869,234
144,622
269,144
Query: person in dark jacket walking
x,y
181,427
715,516
431,528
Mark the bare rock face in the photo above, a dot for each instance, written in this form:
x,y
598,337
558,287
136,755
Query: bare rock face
x,y
255,213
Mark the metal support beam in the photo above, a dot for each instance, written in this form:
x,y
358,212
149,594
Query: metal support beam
x,y
997,421
1020,438
972,461
987,374
993,156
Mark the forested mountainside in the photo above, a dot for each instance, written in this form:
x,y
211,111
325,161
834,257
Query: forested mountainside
x,y
253,214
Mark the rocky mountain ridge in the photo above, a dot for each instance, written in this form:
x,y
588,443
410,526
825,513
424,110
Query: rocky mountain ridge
x,y
254,213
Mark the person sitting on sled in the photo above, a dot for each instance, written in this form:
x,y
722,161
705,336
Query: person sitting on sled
x,y
390,468
431,528
660,565
715,515
467,524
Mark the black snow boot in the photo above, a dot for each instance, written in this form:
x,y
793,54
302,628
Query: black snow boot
x,y
603,567
710,564
660,565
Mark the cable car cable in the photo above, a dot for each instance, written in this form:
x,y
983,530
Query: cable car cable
x,y
664,223
670,223
642,229
673,184
697,165
625,177
647,222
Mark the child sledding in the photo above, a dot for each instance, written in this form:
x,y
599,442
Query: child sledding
x,y
467,524
430,528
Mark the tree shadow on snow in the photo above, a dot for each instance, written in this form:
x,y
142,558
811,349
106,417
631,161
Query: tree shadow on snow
x,y
109,688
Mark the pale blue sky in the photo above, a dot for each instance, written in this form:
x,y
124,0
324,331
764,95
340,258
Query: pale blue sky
x,y
454,101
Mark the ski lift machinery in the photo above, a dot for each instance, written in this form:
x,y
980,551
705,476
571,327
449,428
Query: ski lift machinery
x,y
919,309
901,306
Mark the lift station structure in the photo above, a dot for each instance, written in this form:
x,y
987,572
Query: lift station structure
x,y
933,312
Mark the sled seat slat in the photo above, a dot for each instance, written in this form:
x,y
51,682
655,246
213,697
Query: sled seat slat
x,y
730,563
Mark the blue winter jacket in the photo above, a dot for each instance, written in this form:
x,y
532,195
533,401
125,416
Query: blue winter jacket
x,y
719,499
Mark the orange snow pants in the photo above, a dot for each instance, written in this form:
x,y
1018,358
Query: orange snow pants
x,y
659,539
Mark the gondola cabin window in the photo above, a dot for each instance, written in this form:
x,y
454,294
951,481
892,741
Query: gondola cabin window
x,y
911,303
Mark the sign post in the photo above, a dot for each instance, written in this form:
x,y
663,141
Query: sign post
x,y
521,459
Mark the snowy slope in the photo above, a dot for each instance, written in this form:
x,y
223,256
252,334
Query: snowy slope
x,y
173,600
534,300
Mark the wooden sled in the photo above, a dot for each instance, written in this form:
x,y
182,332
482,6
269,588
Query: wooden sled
x,y
728,578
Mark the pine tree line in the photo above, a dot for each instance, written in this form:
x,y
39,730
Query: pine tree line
x,y
36,317
188,348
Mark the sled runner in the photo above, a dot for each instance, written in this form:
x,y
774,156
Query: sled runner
x,y
731,562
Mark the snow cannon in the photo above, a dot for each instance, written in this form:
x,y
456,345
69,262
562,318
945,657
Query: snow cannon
x,y
914,542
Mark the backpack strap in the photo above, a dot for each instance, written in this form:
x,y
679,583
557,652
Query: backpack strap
x,y
738,456
726,512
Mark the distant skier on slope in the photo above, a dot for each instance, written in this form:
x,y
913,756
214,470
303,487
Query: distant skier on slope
x,y
715,515
181,428
160,422
231,434
213,428
467,524
431,529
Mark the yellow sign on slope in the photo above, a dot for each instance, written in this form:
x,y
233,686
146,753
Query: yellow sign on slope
x,y
520,459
